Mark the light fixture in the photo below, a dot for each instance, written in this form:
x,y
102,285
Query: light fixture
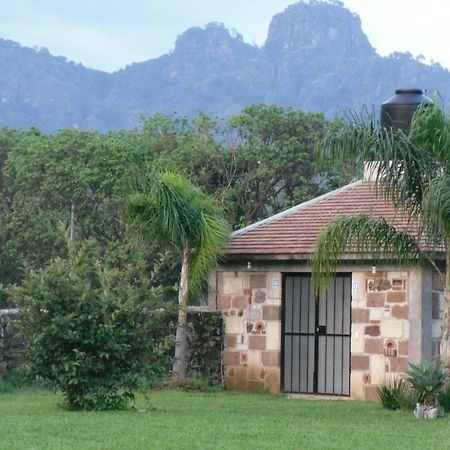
x,y
374,269
249,265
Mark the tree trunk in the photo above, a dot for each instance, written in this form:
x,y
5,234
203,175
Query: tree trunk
x,y
445,343
181,349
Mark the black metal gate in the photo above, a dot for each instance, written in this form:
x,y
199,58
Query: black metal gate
x,y
316,336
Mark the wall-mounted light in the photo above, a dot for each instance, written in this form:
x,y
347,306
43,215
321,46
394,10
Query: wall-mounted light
x,y
249,265
374,269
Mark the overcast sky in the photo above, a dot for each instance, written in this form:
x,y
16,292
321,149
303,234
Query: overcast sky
x,y
109,34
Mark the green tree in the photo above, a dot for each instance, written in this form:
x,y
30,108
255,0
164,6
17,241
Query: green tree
x,y
168,208
412,170
94,332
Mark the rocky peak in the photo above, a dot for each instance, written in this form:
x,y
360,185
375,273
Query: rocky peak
x,y
322,28
213,41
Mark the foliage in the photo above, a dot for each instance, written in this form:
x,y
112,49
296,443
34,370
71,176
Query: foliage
x,y
396,395
206,340
443,397
93,332
426,380
412,170
169,207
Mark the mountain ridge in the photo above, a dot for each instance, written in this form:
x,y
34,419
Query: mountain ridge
x,y
315,57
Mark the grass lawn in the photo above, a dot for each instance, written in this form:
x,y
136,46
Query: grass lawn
x,y
33,419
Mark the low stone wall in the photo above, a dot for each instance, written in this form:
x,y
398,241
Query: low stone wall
x,y
10,341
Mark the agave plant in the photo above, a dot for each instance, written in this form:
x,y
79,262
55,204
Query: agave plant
x,y
427,380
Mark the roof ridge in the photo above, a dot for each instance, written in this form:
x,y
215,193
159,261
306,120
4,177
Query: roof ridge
x,y
296,208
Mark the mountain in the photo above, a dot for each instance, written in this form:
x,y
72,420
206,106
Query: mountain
x,y
316,57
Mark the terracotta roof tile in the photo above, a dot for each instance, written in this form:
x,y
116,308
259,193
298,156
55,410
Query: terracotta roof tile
x,y
295,230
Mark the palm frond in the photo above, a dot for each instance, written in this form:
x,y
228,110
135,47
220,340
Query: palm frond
x,y
362,236
167,207
436,209
215,233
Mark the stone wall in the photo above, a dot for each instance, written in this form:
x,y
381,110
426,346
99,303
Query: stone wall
x,y
10,341
380,330
251,304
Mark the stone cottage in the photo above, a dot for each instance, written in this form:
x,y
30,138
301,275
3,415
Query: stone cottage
x,y
367,327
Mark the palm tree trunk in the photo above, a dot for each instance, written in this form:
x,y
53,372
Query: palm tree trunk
x,y
181,349
445,343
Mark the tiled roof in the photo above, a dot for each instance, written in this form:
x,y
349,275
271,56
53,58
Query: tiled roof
x,y
294,231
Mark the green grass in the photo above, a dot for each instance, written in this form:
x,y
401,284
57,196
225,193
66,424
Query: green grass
x,y
34,419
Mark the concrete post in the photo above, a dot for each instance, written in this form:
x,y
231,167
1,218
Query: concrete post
x,y
420,319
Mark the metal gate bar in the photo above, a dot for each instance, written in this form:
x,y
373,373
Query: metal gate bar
x,y
316,336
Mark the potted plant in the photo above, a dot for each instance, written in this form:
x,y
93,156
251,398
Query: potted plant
x,y
426,380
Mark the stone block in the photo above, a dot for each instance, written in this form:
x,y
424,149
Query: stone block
x,y
373,345
256,385
392,328
259,328
224,302
234,325
372,330
403,348
232,283
258,281
273,292
230,340
377,368
376,314
397,285
358,286
253,312
240,379
272,380
379,284
273,335
253,372
239,301
371,393
357,342
360,362
231,358
396,297
271,312
228,383
399,364
259,296
357,385
400,311
375,299
256,342
271,358
360,315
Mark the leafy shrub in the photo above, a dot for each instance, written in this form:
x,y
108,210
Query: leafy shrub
x,y
395,395
94,333
206,338
444,398
426,380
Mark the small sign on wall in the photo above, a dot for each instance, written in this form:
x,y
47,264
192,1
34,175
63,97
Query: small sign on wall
x,y
275,282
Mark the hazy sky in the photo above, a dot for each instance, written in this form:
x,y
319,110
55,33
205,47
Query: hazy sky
x,y
109,34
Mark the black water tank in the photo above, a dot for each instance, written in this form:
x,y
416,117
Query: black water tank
x,y
398,111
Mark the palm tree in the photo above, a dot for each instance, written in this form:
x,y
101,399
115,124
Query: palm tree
x,y
412,170
168,207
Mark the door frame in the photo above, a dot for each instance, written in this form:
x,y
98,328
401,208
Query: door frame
x,y
316,341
